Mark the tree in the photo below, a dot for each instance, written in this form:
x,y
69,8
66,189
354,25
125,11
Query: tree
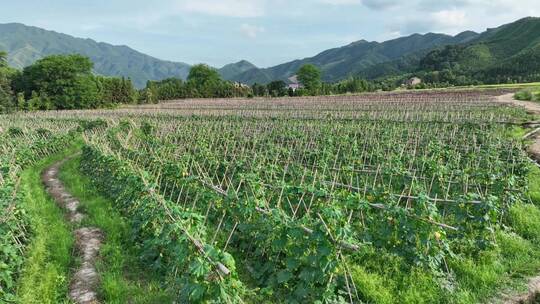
x,y
201,75
66,79
277,88
310,76
5,101
259,89
6,76
21,102
151,93
34,103
3,59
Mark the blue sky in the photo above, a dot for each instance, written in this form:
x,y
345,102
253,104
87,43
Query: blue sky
x,y
265,32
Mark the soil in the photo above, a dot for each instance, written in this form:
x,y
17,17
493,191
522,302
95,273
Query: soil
x,y
85,281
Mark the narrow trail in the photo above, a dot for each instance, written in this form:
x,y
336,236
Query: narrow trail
x,y
534,151
85,281
533,108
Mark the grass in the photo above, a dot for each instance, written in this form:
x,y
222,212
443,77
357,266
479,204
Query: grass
x,y
123,278
502,86
528,94
45,274
382,278
516,132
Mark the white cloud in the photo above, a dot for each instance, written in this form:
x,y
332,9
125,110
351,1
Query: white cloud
x,y
227,8
449,18
341,2
382,4
251,31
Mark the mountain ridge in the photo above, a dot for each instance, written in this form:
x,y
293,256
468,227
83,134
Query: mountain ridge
x,y
473,52
26,44
338,63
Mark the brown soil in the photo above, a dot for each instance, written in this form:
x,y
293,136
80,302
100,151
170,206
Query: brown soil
x,y
532,297
83,285
531,107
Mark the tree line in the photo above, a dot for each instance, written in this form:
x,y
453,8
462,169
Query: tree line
x,y
205,82
62,82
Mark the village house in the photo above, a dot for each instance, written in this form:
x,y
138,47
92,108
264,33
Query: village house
x,y
294,84
240,85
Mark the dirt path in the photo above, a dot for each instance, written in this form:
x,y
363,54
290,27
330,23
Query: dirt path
x,y
83,285
534,150
532,108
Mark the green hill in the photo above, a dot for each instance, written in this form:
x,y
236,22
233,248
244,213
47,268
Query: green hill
x,y
26,44
230,71
357,57
507,53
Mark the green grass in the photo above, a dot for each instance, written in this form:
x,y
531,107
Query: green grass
x,y
502,86
45,274
123,278
528,94
516,132
534,184
383,278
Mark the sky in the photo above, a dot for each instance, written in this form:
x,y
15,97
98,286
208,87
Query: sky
x,y
264,32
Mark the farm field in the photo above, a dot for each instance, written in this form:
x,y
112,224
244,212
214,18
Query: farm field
x,y
404,197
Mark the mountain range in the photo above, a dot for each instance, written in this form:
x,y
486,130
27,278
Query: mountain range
x,y
499,49
26,44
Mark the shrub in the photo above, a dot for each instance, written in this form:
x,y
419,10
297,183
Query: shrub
x,y
523,95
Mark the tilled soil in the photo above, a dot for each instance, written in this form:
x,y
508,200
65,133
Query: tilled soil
x,y
85,281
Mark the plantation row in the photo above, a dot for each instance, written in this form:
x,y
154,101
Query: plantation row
x,y
22,143
447,106
432,96
291,207
248,203
293,201
338,108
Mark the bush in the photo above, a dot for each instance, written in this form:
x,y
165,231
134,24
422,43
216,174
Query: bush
x,y
536,96
523,95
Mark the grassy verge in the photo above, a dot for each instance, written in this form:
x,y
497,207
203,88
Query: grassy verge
x,y
123,279
504,86
529,94
45,275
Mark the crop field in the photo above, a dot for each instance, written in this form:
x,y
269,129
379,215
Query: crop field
x,y
378,198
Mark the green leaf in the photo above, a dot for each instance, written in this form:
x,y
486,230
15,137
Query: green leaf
x,y
283,276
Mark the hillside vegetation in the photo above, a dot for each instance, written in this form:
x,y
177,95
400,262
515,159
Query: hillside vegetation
x,y
339,63
26,44
509,53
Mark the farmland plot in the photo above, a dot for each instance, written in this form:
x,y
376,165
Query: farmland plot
x,y
312,200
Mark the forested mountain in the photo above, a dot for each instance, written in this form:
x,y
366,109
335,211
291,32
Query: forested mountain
x,y
26,44
508,53
356,57
230,71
